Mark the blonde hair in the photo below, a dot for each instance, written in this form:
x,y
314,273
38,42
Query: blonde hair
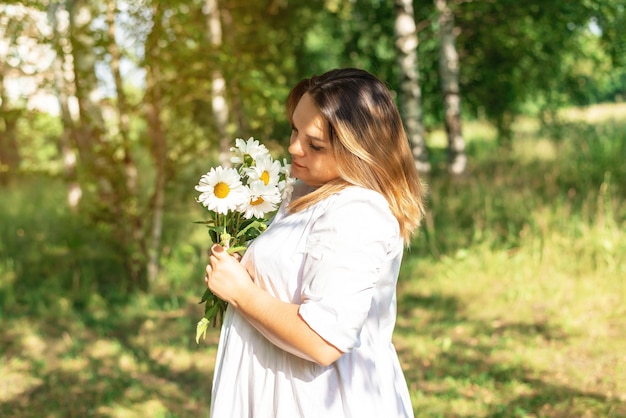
x,y
368,140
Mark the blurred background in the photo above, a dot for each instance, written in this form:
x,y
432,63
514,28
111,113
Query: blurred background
x,y
511,297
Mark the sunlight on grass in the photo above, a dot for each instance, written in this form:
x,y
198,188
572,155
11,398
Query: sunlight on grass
x,y
531,323
150,408
473,132
596,114
536,149
522,318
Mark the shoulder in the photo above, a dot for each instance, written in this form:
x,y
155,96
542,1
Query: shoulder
x,y
352,219
361,207
360,196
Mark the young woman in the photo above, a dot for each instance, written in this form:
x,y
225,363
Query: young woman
x,y
312,304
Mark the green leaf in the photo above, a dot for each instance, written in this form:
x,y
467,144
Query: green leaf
x,y
207,294
255,228
201,328
237,249
211,222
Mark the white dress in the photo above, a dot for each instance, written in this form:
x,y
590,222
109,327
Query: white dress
x,y
339,259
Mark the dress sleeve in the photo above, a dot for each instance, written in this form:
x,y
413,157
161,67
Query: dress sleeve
x,y
345,250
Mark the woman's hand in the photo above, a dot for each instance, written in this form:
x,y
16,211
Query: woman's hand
x,y
278,321
225,276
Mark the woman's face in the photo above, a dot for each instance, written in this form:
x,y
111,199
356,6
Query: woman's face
x,y
312,159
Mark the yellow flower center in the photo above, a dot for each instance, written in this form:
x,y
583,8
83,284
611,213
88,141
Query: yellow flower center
x,y
265,176
257,201
221,190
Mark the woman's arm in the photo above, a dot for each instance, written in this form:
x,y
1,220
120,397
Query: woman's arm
x,y
278,321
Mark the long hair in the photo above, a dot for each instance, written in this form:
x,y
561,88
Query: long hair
x,y
368,140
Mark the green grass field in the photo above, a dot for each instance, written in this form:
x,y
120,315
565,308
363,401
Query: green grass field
x,y
512,299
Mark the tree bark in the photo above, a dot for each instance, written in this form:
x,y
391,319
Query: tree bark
x,y
10,158
410,93
61,66
90,127
9,150
153,108
238,121
449,74
218,83
131,223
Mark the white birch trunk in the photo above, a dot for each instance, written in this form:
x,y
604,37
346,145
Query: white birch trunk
x,y
218,83
153,104
410,94
449,74
62,67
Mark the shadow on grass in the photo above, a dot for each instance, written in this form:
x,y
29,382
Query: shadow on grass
x,y
467,362
129,364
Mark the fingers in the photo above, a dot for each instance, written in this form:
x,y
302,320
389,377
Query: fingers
x,y
215,252
207,276
219,253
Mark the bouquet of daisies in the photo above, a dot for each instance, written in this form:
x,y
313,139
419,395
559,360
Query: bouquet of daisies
x,y
240,200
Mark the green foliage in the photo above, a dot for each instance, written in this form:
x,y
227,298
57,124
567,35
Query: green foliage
x,y
496,205
39,135
513,53
47,251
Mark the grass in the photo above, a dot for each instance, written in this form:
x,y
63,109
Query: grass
x,y
511,299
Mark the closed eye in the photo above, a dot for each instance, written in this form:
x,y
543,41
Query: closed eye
x,y
315,147
294,132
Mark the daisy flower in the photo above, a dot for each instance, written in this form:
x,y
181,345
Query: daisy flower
x,y
221,190
285,186
245,152
264,198
238,199
265,170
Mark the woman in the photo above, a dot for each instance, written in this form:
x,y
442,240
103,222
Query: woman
x,y
312,304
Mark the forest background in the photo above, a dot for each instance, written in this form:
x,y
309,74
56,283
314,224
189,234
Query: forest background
x,y
511,297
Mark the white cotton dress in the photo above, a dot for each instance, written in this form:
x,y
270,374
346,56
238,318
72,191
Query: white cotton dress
x,y
339,259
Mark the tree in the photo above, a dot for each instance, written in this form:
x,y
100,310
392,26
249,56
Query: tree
x,y
58,20
516,52
9,149
218,83
153,102
449,76
16,26
129,222
410,90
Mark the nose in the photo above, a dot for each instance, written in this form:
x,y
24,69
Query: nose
x,y
295,147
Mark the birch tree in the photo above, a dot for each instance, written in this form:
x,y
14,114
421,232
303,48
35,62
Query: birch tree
x,y
410,91
90,128
153,108
449,76
218,82
9,150
58,19
130,221
15,27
